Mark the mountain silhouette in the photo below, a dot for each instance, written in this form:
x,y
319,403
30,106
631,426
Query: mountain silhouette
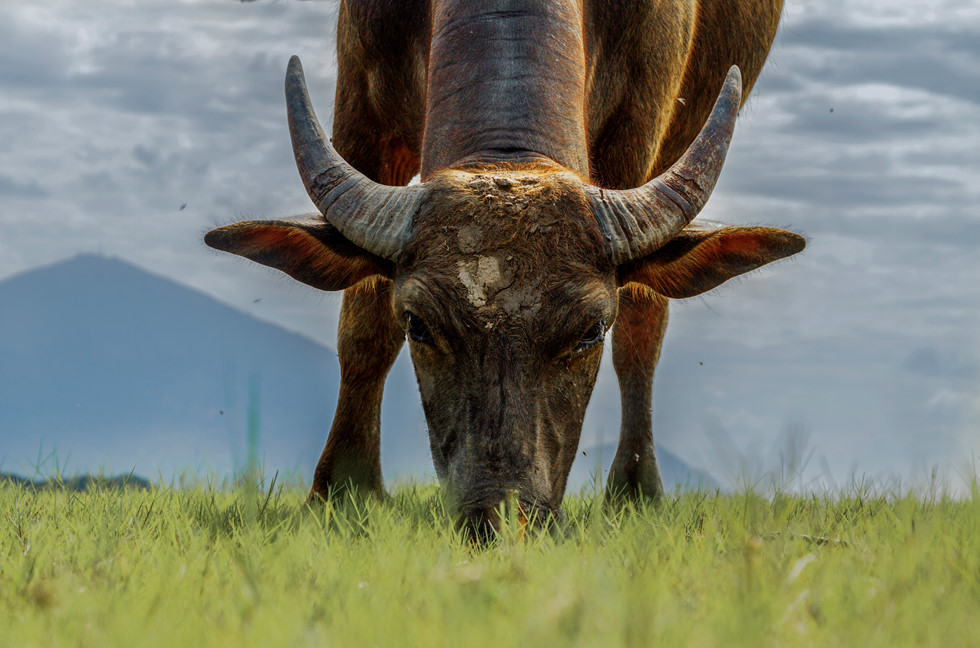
x,y
79,483
674,471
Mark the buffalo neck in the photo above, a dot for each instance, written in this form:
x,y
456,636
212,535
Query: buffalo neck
x,y
506,84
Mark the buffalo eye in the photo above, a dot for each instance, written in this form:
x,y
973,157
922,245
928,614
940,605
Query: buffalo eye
x,y
592,336
417,329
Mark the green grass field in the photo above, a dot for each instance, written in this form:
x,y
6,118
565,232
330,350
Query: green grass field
x,y
250,567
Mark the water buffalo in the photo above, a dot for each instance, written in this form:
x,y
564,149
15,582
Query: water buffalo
x,y
562,161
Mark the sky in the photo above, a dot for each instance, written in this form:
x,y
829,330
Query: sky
x,y
131,127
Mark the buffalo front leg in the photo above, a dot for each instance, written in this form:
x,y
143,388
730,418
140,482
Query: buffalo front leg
x,y
637,336
368,342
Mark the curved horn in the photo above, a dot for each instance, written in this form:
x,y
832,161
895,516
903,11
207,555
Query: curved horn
x,y
637,221
373,216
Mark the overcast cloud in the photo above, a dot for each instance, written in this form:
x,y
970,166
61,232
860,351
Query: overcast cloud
x,y
863,133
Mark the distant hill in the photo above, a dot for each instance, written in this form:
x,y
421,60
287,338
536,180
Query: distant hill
x,y
107,368
79,483
674,470
112,368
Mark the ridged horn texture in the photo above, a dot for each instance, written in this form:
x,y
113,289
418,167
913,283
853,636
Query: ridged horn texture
x,y
635,222
373,216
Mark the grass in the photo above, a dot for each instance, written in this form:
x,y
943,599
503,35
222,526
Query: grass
x,y
257,567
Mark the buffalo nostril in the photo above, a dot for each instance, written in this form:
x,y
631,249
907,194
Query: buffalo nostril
x,y
481,526
488,522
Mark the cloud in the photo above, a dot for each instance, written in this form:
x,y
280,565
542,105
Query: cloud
x,y
933,362
22,189
938,58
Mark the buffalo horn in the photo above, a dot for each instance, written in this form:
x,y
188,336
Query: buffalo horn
x,y
375,217
635,222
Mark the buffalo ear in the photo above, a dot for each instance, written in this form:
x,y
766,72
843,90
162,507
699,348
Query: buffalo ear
x,y
705,255
311,251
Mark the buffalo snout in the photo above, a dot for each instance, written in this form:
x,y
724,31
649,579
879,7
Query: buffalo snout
x,y
503,516
482,525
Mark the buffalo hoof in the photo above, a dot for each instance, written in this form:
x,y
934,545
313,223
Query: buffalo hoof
x,y
344,489
339,475
635,476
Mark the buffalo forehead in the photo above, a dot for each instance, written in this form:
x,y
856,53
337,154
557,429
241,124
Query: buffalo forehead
x,y
500,242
